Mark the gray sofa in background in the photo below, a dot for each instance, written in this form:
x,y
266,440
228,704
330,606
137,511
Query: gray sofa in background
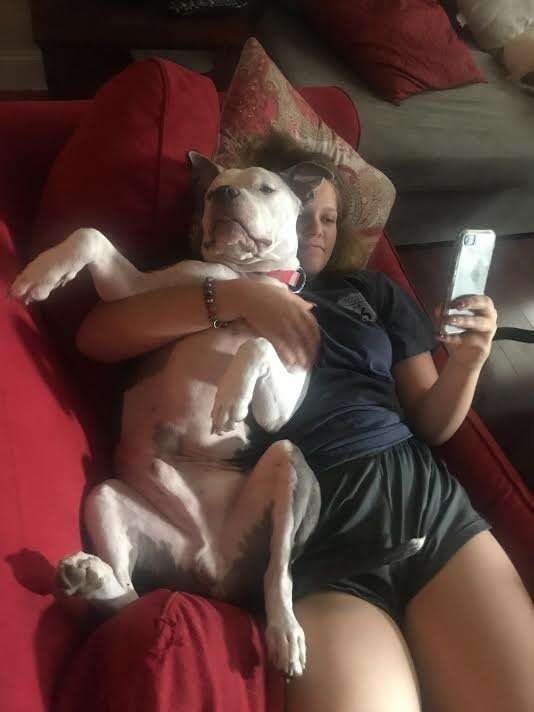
x,y
458,158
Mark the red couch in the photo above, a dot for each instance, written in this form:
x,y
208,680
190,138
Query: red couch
x,y
167,651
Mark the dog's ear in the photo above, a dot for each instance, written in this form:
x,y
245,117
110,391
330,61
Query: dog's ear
x,y
203,170
304,177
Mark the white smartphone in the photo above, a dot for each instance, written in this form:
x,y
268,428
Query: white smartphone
x,y
469,272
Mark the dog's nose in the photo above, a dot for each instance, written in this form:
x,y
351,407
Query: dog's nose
x,y
225,193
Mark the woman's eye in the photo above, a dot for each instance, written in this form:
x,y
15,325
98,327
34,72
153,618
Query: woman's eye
x,y
329,221
266,188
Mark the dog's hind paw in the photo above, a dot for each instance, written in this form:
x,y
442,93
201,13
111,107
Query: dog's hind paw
x,y
87,576
286,644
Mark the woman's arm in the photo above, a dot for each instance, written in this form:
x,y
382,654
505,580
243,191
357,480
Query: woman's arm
x,y
118,330
436,405
113,331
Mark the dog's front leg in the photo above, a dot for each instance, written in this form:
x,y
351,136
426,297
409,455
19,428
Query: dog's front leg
x,y
257,378
113,275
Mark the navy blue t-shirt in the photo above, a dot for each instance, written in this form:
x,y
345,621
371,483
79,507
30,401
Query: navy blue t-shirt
x,y
368,323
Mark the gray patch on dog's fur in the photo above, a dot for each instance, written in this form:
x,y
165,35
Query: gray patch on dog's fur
x,y
166,441
157,568
243,583
306,501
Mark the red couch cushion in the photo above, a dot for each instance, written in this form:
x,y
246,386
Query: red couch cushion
x,y
125,170
173,651
398,48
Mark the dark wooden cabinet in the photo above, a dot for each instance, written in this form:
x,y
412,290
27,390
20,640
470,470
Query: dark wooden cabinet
x,y
84,42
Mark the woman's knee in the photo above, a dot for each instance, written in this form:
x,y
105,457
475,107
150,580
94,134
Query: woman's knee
x,y
357,659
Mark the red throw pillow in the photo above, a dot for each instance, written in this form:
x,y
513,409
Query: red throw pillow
x,y
124,171
399,48
263,113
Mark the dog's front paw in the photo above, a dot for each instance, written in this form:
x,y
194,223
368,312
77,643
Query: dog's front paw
x,y
53,268
232,403
286,644
87,576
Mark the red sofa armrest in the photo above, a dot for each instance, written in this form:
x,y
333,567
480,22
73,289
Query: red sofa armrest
x,y
45,461
46,458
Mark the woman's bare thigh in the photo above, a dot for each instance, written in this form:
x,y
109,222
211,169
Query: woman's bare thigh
x,y
471,633
358,660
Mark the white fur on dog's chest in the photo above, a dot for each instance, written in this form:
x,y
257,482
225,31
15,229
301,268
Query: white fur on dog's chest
x,y
181,394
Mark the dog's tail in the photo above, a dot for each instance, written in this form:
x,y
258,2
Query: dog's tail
x,y
345,562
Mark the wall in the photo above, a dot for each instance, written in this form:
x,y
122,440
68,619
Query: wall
x,y
21,67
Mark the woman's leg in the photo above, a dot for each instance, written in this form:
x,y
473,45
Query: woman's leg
x,y
358,660
471,633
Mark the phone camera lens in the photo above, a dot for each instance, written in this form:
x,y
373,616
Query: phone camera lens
x,y
469,240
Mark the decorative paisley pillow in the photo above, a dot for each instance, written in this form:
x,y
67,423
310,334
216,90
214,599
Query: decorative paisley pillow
x,y
261,107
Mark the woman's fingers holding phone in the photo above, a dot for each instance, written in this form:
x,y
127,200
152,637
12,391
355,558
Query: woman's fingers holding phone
x,y
472,347
476,303
483,316
480,324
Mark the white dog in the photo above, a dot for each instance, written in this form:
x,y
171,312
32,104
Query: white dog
x,y
181,515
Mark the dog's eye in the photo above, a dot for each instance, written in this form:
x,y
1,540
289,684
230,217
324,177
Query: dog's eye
x,y
266,188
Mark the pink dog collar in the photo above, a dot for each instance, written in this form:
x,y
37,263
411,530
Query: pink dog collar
x,y
295,279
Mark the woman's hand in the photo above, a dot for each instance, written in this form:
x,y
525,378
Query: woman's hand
x,y
284,318
472,348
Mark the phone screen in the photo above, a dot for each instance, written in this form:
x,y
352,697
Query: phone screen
x,y
469,273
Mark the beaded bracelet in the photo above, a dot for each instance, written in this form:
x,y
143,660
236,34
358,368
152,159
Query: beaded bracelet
x,y
209,301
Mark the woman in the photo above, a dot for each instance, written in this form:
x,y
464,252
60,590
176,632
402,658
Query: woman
x,y
453,624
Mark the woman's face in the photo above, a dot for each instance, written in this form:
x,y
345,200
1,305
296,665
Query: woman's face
x,y
317,229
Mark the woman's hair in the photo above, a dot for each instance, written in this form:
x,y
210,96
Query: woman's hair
x,y
279,152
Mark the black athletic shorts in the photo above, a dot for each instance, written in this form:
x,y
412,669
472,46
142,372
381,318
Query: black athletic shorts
x,y
377,502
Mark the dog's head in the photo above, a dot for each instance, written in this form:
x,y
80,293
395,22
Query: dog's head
x,y
250,214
